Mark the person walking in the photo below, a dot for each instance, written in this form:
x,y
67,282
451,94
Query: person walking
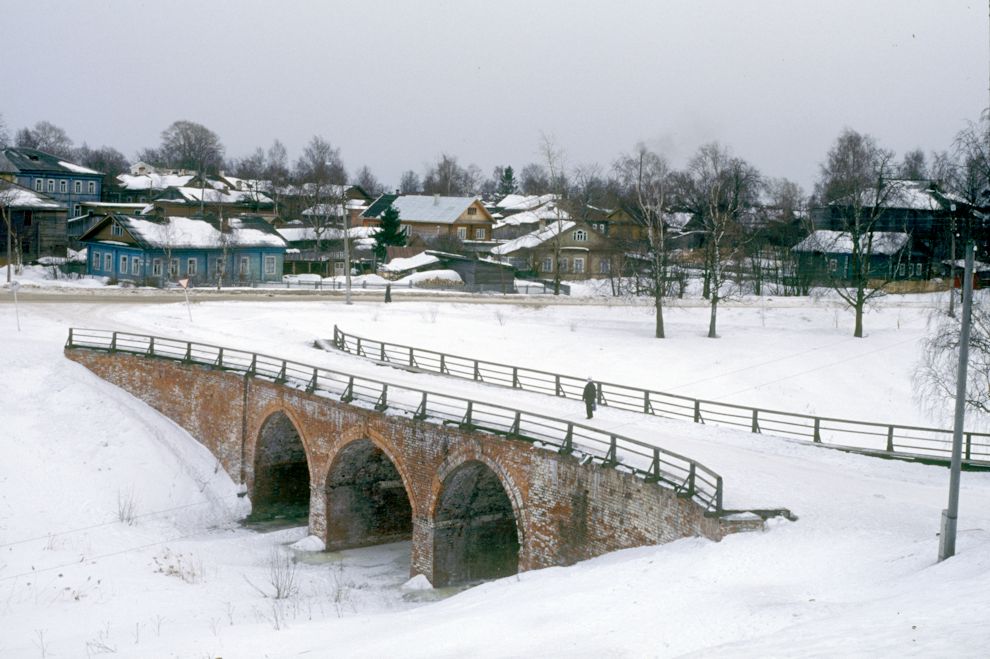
x,y
590,395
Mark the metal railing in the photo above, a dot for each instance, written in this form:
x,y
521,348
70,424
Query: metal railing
x,y
862,436
686,477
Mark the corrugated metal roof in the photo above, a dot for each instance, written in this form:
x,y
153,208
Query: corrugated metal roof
x,y
434,209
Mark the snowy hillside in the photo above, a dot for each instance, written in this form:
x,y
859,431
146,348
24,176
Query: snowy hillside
x,y
119,534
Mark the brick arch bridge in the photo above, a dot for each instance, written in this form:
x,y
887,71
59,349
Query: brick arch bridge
x,y
476,504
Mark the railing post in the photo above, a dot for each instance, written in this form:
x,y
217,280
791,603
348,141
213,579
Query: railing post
x,y
357,350
477,371
412,357
311,387
890,439
653,475
188,356
348,394
443,364
381,352
336,338
253,368
113,342
697,412
514,430
515,377
611,458
690,481
382,403
220,358
718,494
558,390
599,397
466,421
69,343
969,444
756,421
818,431
281,377
568,446
647,405
421,411
151,347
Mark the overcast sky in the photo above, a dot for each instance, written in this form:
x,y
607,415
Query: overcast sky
x,y
394,84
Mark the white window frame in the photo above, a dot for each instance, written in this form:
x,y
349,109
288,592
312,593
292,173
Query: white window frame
x,y
51,185
562,264
63,186
39,185
479,233
191,265
833,265
77,187
338,269
108,262
135,265
221,266
604,267
96,260
173,267
122,269
580,236
91,188
547,264
116,229
579,265
156,267
270,265
462,233
245,265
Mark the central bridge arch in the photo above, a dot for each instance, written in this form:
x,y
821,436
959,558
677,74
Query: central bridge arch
x,y
281,471
367,500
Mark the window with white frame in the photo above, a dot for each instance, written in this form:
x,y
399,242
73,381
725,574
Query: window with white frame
x,y
462,233
156,267
77,187
173,268
108,262
479,233
116,230
92,187
580,236
63,186
900,269
338,269
245,265
135,266
123,264
547,264
833,265
96,260
76,210
604,266
562,264
269,265
579,264
191,267
39,185
51,185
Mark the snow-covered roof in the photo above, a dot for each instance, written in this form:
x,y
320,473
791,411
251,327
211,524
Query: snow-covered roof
x,y
533,239
678,220
214,196
434,209
840,242
16,196
410,262
78,169
152,181
295,234
520,202
548,211
190,232
325,210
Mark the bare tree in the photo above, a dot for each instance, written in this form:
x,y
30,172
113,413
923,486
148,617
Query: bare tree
x,y
105,159
913,165
4,135
533,180
410,183
722,187
855,187
322,178
189,145
647,175
940,358
8,193
447,177
554,162
277,172
47,137
369,182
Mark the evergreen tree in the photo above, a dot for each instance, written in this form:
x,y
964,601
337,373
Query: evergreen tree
x,y
389,232
507,181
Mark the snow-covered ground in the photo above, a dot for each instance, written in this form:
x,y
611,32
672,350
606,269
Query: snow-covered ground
x,y
855,575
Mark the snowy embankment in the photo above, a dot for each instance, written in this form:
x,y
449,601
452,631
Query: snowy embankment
x,y
856,574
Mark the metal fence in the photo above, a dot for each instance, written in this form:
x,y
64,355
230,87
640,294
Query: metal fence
x,y
519,287
686,477
861,436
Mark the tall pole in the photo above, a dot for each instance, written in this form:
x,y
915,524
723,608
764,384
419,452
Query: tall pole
x,y
947,539
347,249
952,265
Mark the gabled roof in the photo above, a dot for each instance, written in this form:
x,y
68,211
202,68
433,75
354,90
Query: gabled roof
x,y
521,202
191,195
840,242
152,181
533,239
548,212
23,160
192,232
18,197
434,209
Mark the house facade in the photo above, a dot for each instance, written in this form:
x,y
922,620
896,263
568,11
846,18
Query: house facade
x,y
826,256
38,222
573,249
434,216
67,183
155,250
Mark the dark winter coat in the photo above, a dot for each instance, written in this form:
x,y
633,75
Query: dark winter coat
x,y
590,393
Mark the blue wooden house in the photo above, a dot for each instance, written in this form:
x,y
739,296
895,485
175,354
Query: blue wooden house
x,y
153,250
65,182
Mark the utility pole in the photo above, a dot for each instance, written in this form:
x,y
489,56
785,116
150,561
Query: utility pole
x,y
947,538
346,207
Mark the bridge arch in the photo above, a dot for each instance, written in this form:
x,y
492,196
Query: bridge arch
x,y
478,526
368,499
281,470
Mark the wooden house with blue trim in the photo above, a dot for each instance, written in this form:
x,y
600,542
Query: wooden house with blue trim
x,y
152,250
